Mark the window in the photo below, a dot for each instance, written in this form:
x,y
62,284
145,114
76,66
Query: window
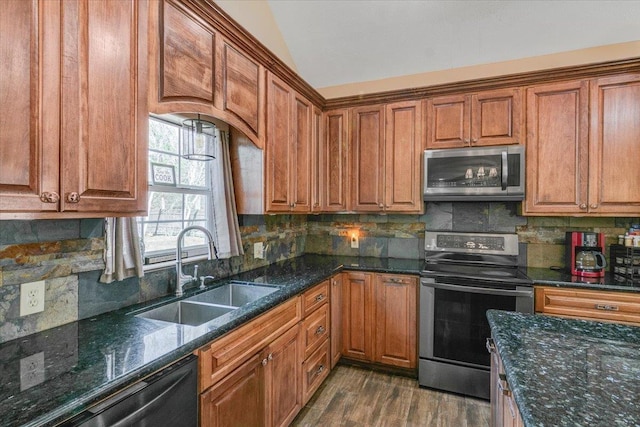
x,y
180,195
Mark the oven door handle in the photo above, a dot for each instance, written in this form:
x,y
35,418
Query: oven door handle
x,y
475,289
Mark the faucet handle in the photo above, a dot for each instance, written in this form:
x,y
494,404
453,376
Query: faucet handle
x,y
203,278
195,273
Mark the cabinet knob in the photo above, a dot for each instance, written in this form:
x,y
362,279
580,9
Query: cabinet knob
x,y
594,206
48,197
583,206
73,197
320,330
320,369
474,140
320,297
270,356
381,206
264,362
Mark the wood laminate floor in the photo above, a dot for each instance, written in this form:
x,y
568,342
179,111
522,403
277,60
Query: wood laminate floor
x,y
353,396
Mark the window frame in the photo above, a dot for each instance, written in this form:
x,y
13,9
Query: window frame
x,y
165,257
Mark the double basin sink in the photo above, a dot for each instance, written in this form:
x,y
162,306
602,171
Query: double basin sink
x,y
209,305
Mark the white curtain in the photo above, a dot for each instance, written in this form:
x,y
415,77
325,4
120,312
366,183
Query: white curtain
x,y
227,230
122,255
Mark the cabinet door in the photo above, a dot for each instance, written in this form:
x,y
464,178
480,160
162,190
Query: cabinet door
x,y
333,160
277,150
557,148
395,320
357,316
336,318
238,399
240,84
317,135
403,154
29,113
283,378
300,144
496,117
104,107
367,151
614,141
183,48
448,124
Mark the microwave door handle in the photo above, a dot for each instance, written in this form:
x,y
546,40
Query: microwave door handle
x,y
505,170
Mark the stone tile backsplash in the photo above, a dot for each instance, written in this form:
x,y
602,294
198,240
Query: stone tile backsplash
x,y
67,254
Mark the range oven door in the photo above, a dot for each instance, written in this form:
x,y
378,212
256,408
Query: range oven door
x,y
454,329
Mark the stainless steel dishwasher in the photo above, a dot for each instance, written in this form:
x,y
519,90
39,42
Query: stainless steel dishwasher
x,y
167,398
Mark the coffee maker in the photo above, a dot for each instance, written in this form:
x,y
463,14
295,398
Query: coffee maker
x,y
585,254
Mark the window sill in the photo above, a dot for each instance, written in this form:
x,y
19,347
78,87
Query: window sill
x,y
172,264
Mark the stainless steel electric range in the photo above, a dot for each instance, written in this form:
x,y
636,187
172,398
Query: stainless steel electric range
x,y
465,274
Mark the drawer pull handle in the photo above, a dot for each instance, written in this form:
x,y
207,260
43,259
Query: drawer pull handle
x,y
320,297
320,330
607,307
319,370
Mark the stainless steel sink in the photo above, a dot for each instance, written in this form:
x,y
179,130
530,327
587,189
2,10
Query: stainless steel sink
x,y
235,294
186,313
209,305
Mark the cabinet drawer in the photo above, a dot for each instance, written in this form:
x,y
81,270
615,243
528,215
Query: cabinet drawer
x,y
227,353
315,329
315,297
314,371
598,305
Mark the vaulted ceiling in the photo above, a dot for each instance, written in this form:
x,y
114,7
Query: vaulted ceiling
x,y
335,42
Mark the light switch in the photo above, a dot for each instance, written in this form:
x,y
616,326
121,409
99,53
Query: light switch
x,y
258,250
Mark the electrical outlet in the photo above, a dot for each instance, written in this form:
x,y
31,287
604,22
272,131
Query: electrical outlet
x,y
355,244
31,370
343,233
258,250
32,298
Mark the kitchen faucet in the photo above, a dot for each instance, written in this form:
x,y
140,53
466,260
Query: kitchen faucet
x,y
181,278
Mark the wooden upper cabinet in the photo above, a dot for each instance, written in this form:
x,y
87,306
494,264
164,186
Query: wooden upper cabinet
x,y
30,108
448,121
386,154
367,154
614,145
183,48
333,162
317,143
557,148
197,70
84,153
403,156
583,142
104,107
288,149
485,118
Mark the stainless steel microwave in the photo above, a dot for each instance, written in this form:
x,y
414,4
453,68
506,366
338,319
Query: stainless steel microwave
x,y
478,173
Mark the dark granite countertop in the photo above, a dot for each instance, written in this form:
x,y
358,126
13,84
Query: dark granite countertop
x,y
86,361
560,278
570,372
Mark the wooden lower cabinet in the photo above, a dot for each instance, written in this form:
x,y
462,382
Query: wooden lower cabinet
x,y
252,376
356,316
504,411
618,307
395,320
336,318
379,318
282,382
237,400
